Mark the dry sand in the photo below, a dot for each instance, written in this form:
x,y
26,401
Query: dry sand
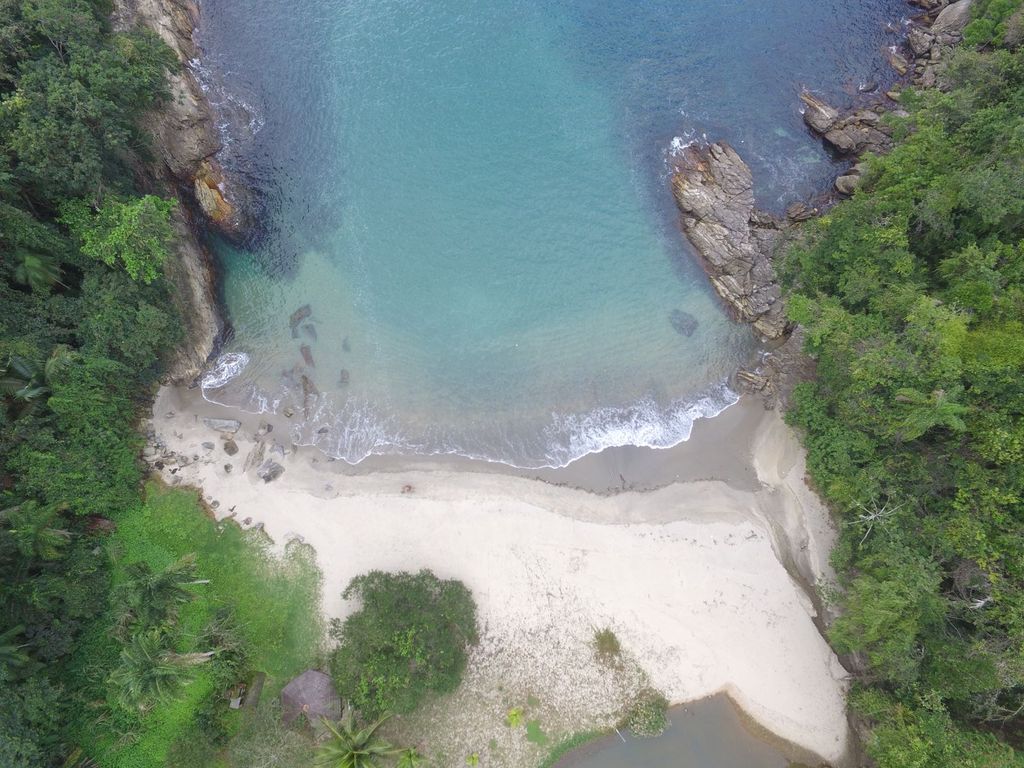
x,y
692,577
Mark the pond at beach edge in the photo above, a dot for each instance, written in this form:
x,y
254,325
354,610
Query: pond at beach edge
x,y
710,733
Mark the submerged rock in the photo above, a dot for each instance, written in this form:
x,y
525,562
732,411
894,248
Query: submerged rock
x,y
307,355
683,322
230,447
345,346
309,395
223,425
299,315
344,377
713,188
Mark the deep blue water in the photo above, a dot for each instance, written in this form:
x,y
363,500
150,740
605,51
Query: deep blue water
x,y
472,199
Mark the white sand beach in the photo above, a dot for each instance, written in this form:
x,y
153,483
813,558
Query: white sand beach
x,y
692,577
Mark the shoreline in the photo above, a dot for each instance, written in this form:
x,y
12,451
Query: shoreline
x,y
724,602
611,470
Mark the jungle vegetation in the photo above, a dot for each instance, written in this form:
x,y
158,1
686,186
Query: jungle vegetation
x,y
912,298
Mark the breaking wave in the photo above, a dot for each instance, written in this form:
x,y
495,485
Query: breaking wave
x,y
225,368
351,430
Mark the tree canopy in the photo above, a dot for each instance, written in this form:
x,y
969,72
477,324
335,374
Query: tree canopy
x,y
408,639
912,297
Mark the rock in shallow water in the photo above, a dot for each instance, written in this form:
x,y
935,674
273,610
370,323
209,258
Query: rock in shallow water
x,y
713,188
683,322
299,315
223,425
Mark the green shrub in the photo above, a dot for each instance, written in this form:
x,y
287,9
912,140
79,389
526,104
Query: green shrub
x,y
648,713
408,639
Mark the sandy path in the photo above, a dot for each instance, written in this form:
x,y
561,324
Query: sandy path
x,y
688,576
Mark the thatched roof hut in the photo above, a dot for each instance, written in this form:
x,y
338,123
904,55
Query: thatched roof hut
x,y
311,694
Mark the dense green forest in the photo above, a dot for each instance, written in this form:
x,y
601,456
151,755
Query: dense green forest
x,y
912,297
124,613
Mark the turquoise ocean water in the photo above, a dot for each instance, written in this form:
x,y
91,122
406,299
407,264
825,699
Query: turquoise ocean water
x,y
472,199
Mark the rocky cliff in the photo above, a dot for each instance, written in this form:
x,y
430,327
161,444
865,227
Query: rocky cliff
x,y
186,142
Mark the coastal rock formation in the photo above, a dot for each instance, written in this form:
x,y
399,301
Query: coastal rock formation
x,y
853,134
190,273
952,19
863,130
185,129
186,142
713,188
930,43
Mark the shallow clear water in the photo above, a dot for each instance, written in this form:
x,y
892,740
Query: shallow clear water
x,y
472,199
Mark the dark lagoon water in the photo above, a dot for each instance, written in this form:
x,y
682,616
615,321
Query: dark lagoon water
x,y
704,734
472,199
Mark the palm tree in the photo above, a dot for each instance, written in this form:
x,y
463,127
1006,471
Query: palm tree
x,y
34,530
927,412
23,383
148,672
351,748
38,271
11,654
409,758
150,598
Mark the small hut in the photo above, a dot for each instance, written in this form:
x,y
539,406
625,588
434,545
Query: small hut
x,y
311,694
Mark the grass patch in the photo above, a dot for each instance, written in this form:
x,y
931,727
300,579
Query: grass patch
x,y
535,735
567,745
606,645
273,602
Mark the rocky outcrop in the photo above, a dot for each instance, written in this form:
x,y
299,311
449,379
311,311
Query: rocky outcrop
x,y
777,373
191,275
934,36
713,188
856,133
864,131
186,142
185,128
860,132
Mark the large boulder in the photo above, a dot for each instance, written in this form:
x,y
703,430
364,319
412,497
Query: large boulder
x,y
229,426
269,471
953,18
713,188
